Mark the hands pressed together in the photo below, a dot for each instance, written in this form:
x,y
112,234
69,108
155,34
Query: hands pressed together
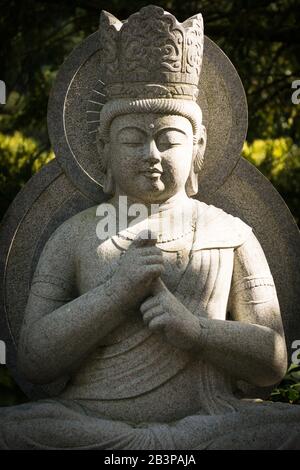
x,y
140,269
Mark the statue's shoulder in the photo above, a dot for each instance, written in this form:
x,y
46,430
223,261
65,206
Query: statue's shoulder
x,y
68,234
218,229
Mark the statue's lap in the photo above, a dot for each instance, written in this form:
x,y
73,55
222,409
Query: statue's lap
x,y
252,426
172,400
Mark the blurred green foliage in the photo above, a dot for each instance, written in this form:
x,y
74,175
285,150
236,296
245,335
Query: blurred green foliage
x,y
20,158
289,389
279,160
261,37
10,393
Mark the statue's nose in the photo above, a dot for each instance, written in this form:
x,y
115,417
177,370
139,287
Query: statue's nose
x,y
152,153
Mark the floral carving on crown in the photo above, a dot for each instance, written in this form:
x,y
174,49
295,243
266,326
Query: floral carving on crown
x,y
151,47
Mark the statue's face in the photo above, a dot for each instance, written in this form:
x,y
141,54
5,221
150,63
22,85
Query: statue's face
x,y
150,155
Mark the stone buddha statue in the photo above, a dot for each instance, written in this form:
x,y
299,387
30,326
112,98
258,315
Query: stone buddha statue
x,y
153,325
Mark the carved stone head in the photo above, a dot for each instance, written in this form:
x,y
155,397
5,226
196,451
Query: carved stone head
x,y
151,64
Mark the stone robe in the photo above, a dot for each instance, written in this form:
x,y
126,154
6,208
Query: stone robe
x,y
135,391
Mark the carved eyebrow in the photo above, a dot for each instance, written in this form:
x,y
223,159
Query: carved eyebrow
x,y
129,128
176,129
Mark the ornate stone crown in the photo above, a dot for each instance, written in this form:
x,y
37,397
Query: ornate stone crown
x,y
151,55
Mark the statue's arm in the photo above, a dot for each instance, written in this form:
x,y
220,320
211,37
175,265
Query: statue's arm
x,y
252,345
60,328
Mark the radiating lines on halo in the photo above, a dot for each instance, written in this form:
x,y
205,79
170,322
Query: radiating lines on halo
x,y
99,93
95,103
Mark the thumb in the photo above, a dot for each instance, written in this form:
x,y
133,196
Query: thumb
x,y
145,238
158,286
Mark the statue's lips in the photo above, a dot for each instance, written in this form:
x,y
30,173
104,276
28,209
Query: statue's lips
x,y
152,173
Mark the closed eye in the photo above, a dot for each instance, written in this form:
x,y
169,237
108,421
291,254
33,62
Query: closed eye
x,y
169,138
166,145
131,136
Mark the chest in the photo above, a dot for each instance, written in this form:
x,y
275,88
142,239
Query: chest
x,y
197,277
97,262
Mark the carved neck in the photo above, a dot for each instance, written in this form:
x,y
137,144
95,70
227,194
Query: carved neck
x,y
177,201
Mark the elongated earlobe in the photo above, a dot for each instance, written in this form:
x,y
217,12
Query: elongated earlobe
x,y
109,183
103,153
191,185
200,150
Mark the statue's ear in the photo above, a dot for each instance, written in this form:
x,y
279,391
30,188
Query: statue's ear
x,y
191,185
109,185
199,149
103,152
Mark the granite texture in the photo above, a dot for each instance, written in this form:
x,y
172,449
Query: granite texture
x,y
23,235
73,116
152,337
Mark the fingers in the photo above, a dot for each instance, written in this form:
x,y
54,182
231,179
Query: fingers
x,y
150,303
148,251
154,270
158,287
159,322
144,257
155,259
152,313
